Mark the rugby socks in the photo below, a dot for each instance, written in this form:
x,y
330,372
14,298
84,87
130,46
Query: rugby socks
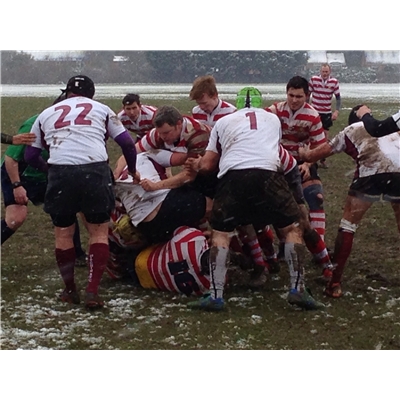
x,y
266,240
98,256
219,257
295,256
317,221
236,245
66,264
317,247
343,246
6,232
255,250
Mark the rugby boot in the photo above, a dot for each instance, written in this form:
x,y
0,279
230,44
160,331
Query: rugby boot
x,y
304,300
206,303
69,296
93,301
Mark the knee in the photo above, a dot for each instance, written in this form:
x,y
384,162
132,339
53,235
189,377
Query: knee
x,y
15,218
314,196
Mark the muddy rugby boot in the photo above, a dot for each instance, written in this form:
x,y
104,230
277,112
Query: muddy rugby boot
x,y
206,303
304,300
93,301
333,290
69,296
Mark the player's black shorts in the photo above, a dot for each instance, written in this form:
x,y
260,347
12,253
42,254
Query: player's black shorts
x,y
253,196
380,187
73,188
326,120
183,206
206,184
35,190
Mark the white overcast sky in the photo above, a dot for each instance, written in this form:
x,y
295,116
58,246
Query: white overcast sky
x,y
200,25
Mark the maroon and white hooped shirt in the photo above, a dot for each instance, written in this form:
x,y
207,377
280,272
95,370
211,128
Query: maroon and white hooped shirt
x,y
321,93
144,122
223,108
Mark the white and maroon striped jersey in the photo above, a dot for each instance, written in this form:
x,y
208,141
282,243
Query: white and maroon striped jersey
x,y
302,126
223,108
321,93
75,131
138,202
175,266
144,122
193,139
248,138
372,155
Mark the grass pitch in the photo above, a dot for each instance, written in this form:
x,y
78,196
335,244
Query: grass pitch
x,y
367,317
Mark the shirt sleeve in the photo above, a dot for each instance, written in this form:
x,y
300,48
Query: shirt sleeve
x,y
381,128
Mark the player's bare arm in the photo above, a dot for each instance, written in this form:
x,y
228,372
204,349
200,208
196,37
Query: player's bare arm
x,y
175,181
12,170
322,151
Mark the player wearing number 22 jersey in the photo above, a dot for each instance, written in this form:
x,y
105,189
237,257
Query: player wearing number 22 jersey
x,y
79,177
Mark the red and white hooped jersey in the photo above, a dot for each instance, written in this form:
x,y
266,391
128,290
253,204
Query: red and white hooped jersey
x,y
143,124
75,131
321,93
287,160
302,126
175,265
372,155
223,108
193,139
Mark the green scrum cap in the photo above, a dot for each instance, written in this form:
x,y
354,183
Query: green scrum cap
x,y
249,96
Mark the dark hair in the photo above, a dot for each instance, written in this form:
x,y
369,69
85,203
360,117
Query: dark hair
x,y
353,115
60,98
167,115
298,82
131,98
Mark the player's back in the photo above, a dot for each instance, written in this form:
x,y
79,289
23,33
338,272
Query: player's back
x,y
249,138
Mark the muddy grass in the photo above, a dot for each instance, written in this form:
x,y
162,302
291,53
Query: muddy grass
x,y
367,317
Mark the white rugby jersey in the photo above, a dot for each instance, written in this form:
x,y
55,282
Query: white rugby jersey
x,y
248,138
223,108
322,92
138,202
75,131
372,155
144,122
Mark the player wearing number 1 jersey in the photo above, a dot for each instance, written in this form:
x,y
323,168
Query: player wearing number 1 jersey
x,y
79,178
251,192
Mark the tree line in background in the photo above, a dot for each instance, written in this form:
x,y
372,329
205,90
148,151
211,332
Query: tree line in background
x,y
181,67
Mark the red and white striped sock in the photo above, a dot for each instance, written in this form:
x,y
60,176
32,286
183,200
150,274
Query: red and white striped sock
x,y
266,240
317,248
317,222
256,252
